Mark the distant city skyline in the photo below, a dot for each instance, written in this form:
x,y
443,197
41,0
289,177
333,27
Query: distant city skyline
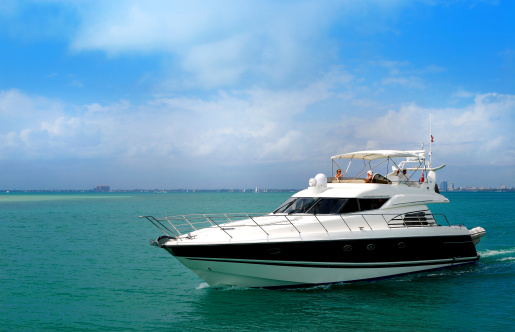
x,y
233,190
442,186
209,94
451,186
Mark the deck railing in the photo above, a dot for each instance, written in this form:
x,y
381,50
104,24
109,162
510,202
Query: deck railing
x,y
176,226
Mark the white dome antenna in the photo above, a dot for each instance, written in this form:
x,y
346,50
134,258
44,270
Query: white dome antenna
x,y
321,180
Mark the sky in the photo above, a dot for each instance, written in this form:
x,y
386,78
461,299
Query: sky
x,y
238,94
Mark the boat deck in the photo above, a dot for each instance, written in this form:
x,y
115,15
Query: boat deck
x,y
180,225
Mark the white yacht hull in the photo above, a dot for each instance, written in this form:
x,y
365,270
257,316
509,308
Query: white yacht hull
x,y
310,262
264,275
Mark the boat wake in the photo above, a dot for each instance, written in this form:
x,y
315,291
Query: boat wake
x,y
497,262
507,259
507,254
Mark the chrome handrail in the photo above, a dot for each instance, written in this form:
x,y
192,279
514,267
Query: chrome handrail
x,y
176,226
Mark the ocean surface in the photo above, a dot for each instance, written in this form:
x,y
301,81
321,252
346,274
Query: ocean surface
x,y
82,262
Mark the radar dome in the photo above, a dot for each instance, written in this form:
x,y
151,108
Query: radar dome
x,y
321,180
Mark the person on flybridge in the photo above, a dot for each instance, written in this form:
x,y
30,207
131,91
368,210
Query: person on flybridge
x,y
402,174
398,175
338,175
370,176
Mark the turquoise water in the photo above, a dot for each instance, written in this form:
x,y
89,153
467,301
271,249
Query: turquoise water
x,y
82,262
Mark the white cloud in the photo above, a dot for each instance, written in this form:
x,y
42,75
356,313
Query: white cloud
x,y
405,82
479,133
260,126
214,67
19,111
215,42
249,51
218,43
394,67
462,94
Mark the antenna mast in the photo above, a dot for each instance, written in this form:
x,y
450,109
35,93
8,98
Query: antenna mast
x,y
431,140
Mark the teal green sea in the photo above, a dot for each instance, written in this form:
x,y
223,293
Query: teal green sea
x,y
82,262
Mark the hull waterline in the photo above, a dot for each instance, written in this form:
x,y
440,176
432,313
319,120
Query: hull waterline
x,y
281,275
307,263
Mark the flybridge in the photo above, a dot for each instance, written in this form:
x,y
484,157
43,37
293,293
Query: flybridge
x,y
379,161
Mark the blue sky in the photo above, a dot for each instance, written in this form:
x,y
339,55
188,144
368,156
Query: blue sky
x,y
238,94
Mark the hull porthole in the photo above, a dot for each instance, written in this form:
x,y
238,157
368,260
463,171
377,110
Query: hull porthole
x,y
371,247
401,245
274,251
347,247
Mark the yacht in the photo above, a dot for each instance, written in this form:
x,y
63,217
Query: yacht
x,y
367,221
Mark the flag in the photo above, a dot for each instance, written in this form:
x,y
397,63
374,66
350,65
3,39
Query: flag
x,y
432,139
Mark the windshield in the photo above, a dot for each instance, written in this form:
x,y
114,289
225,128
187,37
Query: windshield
x,y
312,205
296,205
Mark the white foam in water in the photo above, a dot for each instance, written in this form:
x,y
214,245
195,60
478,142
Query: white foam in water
x,y
507,259
501,252
203,285
222,288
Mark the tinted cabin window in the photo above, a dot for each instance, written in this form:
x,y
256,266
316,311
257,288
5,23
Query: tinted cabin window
x,y
351,206
370,203
329,205
347,205
366,204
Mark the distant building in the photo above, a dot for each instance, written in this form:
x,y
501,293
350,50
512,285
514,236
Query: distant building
x,y
451,186
101,188
444,185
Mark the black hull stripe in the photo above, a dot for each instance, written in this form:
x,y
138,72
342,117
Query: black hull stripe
x,y
386,251
456,261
